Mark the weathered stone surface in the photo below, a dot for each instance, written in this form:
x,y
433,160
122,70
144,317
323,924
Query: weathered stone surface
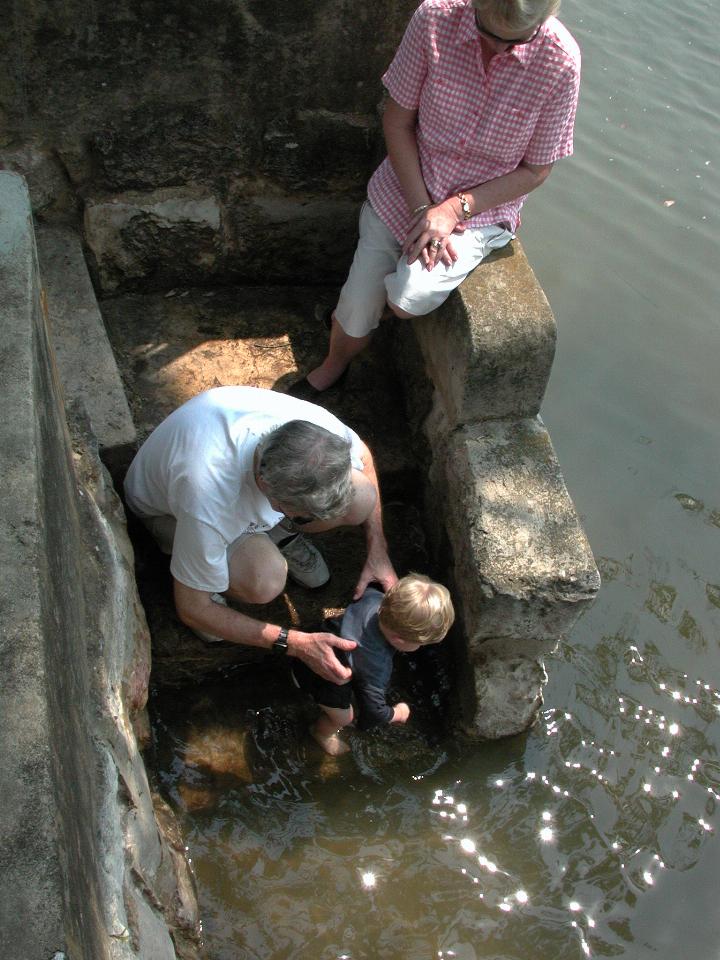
x,y
31,883
86,364
522,562
506,696
75,660
283,240
321,150
521,567
155,95
258,99
490,348
51,194
154,239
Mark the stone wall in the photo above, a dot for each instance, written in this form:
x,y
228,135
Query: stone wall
x,y
85,870
498,512
230,134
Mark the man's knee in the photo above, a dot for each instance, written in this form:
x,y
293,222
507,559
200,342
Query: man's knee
x,y
258,571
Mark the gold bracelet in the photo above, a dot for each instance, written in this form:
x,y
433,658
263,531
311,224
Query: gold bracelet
x,y
421,209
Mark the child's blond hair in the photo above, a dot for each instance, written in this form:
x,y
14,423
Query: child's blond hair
x,y
417,609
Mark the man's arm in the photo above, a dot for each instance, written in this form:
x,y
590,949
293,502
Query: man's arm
x,y
378,567
198,611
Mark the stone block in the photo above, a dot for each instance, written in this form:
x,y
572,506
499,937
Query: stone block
x,y
86,363
490,347
50,191
299,240
150,240
506,695
321,150
522,565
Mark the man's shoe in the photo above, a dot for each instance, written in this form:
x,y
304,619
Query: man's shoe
x,y
305,563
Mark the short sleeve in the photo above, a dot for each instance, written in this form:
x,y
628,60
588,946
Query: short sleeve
x,y
552,138
405,76
356,449
199,557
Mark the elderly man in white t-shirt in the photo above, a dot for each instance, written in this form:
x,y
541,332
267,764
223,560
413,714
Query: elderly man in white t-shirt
x,y
223,484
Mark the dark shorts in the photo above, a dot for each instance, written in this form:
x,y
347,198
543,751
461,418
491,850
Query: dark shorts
x,y
324,692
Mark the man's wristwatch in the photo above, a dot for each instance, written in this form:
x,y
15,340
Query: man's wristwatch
x,y
281,644
464,206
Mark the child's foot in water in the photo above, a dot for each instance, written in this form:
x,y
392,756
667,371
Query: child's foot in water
x,y
331,744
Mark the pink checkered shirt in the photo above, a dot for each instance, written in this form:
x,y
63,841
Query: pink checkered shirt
x,y
474,126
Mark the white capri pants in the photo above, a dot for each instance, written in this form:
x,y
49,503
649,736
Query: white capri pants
x,y
379,273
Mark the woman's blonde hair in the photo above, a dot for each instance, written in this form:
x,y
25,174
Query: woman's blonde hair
x,y
417,609
517,14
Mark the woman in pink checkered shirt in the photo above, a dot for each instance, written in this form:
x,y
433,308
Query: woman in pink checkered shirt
x,y
482,101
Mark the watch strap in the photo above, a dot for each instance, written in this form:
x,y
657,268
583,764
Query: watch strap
x,y
281,643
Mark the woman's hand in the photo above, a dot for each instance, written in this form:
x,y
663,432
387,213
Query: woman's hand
x,y
428,237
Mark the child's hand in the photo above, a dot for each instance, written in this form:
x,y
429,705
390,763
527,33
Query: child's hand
x,y
401,712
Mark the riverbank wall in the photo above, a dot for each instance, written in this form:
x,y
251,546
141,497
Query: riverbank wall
x,y
92,865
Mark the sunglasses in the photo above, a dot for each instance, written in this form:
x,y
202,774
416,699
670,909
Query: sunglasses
x,y
494,36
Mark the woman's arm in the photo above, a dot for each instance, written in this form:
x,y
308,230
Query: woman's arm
x,y
399,125
441,218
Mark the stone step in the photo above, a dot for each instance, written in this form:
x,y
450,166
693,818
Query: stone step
x,y
86,364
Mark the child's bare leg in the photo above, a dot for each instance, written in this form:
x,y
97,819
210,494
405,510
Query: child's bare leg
x,y
325,729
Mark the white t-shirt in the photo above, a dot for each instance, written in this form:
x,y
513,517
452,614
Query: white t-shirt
x,y
197,466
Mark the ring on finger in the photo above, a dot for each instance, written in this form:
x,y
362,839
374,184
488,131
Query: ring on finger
x,y
435,243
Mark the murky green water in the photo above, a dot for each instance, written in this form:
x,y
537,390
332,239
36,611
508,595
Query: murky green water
x,y
596,833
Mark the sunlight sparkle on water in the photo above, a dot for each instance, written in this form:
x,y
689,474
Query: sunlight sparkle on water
x,y
468,845
369,880
546,834
521,896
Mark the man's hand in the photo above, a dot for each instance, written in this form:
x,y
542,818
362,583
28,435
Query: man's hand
x,y
316,650
377,569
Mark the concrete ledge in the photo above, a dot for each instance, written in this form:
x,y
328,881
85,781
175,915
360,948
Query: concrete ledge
x,y
31,906
490,347
86,364
85,871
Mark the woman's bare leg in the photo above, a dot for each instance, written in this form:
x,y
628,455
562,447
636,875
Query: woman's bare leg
x,y
341,351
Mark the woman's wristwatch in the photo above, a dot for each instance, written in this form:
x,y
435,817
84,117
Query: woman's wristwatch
x,y
464,206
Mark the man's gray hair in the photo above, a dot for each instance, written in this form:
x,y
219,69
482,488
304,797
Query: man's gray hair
x,y
518,15
308,469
